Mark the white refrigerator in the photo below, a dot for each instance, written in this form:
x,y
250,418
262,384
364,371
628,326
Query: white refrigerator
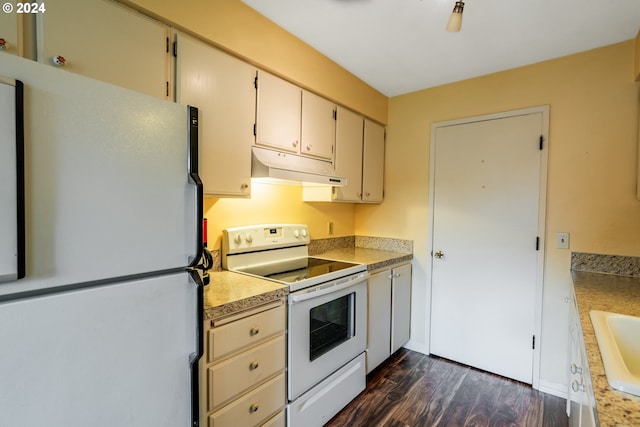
x,y
100,224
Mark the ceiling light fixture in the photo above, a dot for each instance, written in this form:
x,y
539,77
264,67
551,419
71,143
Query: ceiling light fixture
x,y
455,22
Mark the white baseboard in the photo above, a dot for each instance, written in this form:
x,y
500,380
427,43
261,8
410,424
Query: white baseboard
x,y
416,346
555,389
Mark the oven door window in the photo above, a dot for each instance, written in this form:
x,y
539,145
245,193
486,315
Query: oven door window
x,y
331,324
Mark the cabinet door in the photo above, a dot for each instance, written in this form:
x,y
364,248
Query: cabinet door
x,y
373,162
574,397
348,160
222,87
400,306
11,40
278,113
318,126
379,325
108,42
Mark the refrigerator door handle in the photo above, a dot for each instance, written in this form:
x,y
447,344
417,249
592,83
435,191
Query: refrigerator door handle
x,y
193,160
12,184
195,357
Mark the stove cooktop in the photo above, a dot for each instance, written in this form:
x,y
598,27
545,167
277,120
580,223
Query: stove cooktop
x,y
315,267
306,272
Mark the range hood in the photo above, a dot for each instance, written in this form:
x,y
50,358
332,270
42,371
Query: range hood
x,y
278,165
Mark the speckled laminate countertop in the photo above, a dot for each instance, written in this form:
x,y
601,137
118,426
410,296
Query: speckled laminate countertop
x,y
230,292
374,258
618,294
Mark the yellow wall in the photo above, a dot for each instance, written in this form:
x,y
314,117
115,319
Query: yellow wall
x,y
592,154
238,29
271,203
636,70
235,27
591,171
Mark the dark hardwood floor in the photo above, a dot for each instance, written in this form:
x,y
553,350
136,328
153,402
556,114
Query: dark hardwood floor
x,y
411,389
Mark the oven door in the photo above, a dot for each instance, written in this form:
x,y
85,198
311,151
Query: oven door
x,y
327,329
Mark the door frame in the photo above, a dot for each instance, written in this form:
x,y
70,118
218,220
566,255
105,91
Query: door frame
x,y
542,208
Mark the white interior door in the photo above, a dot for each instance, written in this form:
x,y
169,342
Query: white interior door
x,y
486,192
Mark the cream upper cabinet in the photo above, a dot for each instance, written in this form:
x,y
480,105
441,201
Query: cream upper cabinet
x,y
278,113
373,162
222,87
348,161
318,126
108,42
294,120
359,157
10,37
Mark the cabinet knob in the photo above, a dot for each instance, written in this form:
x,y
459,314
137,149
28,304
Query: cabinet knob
x,y
254,408
244,186
254,331
367,194
575,369
576,386
295,143
438,254
58,61
3,44
254,365
309,147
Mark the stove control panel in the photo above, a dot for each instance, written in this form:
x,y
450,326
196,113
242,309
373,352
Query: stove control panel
x,y
261,237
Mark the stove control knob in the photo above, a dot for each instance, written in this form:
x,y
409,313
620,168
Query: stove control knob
x,y
296,233
249,238
237,238
304,232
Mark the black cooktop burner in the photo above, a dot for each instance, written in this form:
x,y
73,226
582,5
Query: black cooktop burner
x,y
315,267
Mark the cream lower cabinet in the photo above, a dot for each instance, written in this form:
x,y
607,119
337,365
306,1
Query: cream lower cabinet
x,y
222,87
242,373
581,407
389,308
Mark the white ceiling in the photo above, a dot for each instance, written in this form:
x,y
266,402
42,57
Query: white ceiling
x,y
399,46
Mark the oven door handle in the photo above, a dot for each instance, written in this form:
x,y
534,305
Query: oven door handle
x,y
337,286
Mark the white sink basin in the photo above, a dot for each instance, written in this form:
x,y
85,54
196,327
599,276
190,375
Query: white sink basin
x,y
619,341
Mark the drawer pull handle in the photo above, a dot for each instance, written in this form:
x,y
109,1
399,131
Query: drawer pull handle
x,y
254,331
253,365
254,408
576,386
575,369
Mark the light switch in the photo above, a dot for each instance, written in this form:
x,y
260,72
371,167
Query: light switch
x,y
562,240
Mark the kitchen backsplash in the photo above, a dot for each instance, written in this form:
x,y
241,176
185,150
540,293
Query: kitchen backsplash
x,y
319,246
608,264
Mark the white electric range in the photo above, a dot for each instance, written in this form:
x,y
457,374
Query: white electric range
x,y
327,316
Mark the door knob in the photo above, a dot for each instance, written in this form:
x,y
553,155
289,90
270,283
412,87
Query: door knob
x,y
439,254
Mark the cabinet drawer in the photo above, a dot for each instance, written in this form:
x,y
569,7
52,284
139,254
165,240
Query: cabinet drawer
x,y
277,421
239,373
234,336
254,408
